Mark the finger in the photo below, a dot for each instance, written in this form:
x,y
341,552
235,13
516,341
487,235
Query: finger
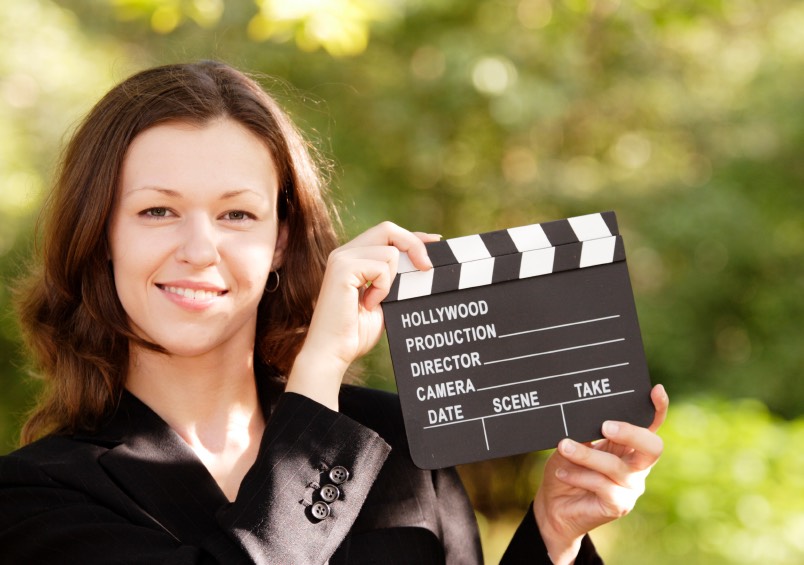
x,y
345,260
428,237
661,402
388,233
379,288
641,446
600,462
374,266
614,499
377,275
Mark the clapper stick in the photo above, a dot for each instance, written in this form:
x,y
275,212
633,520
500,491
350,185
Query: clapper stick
x,y
515,339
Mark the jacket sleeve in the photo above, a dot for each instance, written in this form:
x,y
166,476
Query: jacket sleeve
x,y
527,546
305,446
44,519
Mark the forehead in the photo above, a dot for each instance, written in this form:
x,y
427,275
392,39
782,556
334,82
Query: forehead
x,y
221,154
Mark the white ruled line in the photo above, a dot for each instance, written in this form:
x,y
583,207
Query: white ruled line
x,y
485,435
560,326
555,376
555,351
526,410
563,417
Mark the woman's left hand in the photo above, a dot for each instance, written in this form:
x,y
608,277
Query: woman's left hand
x,y
347,320
587,485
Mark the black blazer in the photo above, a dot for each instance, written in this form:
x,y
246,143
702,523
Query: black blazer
x,y
134,492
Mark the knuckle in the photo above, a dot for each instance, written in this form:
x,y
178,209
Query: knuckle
x,y
388,225
620,507
334,256
635,486
623,511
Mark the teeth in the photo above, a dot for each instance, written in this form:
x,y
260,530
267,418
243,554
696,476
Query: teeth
x,y
192,294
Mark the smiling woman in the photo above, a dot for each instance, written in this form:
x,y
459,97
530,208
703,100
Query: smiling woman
x,y
194,412
193,237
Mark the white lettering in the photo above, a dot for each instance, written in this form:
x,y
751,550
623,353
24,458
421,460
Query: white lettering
x,y
445,364
445,414
592,388
444,313
516,402
444,390
451,337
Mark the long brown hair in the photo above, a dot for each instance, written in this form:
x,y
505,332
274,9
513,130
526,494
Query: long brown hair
x,y
70,315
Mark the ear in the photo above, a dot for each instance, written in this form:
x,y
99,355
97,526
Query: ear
x,y
281,246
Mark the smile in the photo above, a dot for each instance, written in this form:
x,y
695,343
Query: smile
x,y
192,294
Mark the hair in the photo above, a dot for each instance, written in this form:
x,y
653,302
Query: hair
x,y
71,318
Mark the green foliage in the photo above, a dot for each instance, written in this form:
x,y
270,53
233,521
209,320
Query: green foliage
x,y
729,489
50,72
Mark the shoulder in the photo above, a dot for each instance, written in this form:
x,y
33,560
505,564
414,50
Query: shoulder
x,y
42,483
375,409
49,461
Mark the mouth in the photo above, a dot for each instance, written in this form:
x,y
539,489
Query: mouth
x,y
198,294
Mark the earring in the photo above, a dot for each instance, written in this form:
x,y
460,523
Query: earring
x,y
271,289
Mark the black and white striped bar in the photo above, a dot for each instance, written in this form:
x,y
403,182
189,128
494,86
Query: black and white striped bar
x,y
511,254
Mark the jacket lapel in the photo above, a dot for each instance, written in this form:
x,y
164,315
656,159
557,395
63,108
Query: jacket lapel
x,y
160,472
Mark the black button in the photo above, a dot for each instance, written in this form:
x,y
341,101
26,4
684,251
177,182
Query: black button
x,y
338,474
330,493
320,510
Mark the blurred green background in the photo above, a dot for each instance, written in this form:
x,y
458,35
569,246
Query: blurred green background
x,y
459,116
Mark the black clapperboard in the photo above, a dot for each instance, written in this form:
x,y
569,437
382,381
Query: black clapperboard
x,y
516,339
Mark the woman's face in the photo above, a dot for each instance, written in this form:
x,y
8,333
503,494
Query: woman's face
x,y
194,234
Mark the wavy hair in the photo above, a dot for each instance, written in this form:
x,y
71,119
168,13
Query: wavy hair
x,y
71,318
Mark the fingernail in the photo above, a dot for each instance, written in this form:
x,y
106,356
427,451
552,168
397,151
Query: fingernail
x,y
610,428
568,446
561,472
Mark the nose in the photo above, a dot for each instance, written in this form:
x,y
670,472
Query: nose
x,y
198,246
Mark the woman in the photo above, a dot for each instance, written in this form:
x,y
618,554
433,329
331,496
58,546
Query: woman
x,y
194,325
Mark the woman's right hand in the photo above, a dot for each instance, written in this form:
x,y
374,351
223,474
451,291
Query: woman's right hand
x,y
347,321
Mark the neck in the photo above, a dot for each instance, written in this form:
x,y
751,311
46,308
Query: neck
x,y
212,403
186,390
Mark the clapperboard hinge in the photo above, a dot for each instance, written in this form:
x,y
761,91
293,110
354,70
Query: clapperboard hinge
x,y
511,254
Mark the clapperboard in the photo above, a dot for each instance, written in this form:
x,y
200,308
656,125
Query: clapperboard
x,y
516,339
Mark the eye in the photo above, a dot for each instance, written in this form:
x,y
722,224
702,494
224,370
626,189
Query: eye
x,y
157,212
238,216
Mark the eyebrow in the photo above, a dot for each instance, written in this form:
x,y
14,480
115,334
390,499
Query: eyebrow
x,y
175,194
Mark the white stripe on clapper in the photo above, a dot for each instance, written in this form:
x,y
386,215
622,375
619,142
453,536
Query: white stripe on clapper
x,y
598,252
476,273
468,248
591,226
527,238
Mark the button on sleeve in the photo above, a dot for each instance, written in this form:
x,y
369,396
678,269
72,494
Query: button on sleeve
x,y
330,493
338,475
320,510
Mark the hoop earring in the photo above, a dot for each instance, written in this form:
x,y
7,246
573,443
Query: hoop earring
x,y
273,289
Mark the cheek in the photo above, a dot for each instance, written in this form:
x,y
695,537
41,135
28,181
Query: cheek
x,y
132,260
254,261
125,284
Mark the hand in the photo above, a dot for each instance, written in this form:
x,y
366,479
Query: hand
x,y
347,321
587,485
